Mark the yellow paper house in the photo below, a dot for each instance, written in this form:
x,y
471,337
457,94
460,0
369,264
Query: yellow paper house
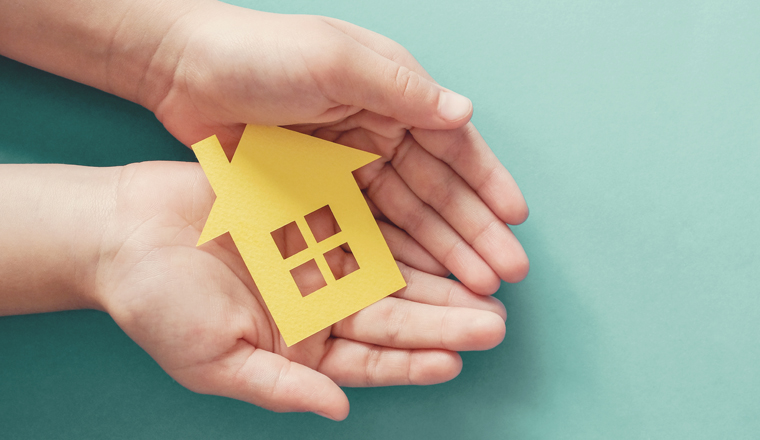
x,y
278,177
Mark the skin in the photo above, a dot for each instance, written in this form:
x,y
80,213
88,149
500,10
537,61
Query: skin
x,y
122,239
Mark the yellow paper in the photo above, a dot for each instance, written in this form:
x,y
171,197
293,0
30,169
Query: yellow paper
x,y
278,176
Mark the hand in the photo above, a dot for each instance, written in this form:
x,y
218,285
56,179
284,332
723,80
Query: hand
x,y
197,312
438,180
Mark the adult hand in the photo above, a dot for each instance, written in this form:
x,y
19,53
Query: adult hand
x,y
198,313
437,180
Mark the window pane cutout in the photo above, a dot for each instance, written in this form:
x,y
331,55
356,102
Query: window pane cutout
x,y
314,274
322,223
289,240
308,277
341,261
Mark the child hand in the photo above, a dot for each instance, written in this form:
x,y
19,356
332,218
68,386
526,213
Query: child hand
x,y
438,180
198,313
205,67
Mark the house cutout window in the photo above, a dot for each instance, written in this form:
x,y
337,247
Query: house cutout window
x,y
308,240
308,278
289,240
322,223
341,261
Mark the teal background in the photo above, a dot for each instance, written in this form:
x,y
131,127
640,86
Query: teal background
x,y
632,127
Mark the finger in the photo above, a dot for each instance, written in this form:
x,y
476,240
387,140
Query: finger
x,y
434,290
380,44
397,323
468,154
439,186
424,224
364,130
406,249
352,74
356,364
442,189
268,380
374,209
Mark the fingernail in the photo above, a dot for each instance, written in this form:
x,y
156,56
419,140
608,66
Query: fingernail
x,y
453,106
320,413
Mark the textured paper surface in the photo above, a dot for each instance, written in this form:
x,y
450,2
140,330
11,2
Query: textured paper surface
x,y
278,176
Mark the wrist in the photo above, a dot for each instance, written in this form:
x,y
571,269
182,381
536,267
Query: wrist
x,y
50,238
125,47
147,47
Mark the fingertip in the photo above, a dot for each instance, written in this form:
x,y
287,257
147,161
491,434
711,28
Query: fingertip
x,y
504,197
499,308
435,366
485,285
470,268
344,409
476,330
518,269
455,366
492,329
518,214
453,107
337,410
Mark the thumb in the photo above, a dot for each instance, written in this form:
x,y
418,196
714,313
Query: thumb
x,y
270,381
365,79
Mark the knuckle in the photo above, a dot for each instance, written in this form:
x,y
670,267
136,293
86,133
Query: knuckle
x,y
377,186
410,370
371,366
444,196
444,335
399,160
406,81
485,231
452,256
458,148
414,220
397,316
